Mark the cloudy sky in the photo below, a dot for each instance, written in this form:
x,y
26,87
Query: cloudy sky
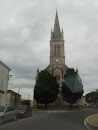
x,y
25,27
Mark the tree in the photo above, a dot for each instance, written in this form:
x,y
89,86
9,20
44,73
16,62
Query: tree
x,y
69,91
70,97
26,102
92,97
46,88
70,72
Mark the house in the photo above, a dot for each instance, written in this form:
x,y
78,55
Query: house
x,y
13,98
4,77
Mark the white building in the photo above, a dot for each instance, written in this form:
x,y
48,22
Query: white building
x,y
4,77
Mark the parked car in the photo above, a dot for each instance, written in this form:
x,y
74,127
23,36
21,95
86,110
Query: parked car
x,y
24,111
7,113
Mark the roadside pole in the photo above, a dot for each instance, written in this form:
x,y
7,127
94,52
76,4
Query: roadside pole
x,y
8,77
18,96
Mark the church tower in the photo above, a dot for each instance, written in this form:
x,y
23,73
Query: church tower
x,y
57,65
57,45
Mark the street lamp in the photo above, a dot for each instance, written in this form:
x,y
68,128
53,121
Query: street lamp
x,y
9,77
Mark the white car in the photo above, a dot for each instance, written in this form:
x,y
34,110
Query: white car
x,y
7,113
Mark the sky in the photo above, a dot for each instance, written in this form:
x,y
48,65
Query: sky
x,y
25,27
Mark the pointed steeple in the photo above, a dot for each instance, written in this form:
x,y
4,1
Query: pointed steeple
x,y
56,34
56,24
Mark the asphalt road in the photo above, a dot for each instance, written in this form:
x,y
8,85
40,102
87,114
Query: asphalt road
x,y
51,120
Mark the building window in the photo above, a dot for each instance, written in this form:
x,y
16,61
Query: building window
x,y
58,50
1,85
55,49
57,77
0,99
3,71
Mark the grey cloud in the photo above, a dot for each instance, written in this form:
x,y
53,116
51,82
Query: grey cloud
x,y
25,28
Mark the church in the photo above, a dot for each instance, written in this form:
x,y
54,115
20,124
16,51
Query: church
x,y
57,65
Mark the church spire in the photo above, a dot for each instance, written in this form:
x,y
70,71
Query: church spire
x,y
56,34
56,24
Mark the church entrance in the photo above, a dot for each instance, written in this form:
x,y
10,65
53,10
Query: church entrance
x,y
58,101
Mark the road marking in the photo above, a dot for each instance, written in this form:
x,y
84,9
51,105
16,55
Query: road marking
x,y
17,121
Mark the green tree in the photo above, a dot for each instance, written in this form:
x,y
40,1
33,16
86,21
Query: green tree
x,y
92,97
70,72
68,95
46,88
26,102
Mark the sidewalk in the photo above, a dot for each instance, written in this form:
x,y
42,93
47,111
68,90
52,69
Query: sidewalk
x,y
91,122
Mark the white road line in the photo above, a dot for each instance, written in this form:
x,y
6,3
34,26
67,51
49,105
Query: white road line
x,y
17,121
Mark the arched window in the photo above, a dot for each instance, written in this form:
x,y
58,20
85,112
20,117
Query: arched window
x,y
58,50
55,49
57,77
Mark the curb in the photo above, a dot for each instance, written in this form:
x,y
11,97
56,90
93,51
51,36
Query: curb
x,y
88,124
91,123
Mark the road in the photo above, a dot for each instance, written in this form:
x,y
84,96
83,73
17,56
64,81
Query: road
x,y
51,120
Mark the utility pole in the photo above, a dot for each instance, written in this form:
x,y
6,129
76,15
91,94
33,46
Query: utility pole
x,y
28,97
18,90
9,77
28,100
18,97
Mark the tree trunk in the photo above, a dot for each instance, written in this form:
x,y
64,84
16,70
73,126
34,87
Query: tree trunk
x,y
71,106
45,106
37,104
